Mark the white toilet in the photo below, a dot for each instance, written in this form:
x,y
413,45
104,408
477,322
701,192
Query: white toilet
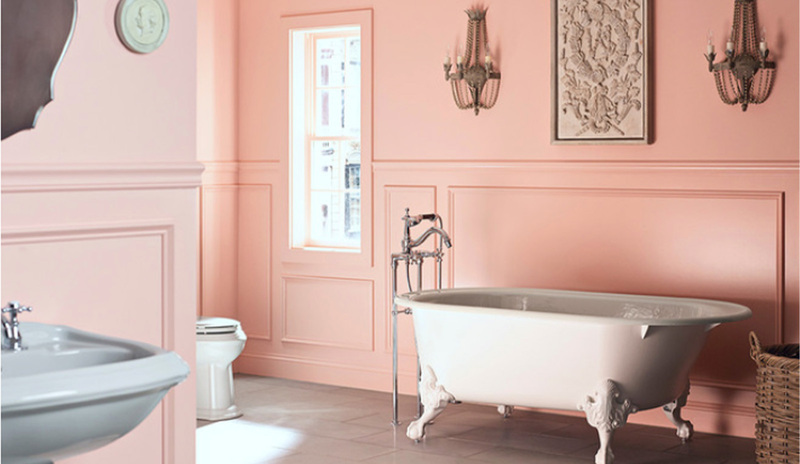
x,y
219,342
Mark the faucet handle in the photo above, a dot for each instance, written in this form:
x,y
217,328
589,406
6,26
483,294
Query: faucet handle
x,y
410,220
14,307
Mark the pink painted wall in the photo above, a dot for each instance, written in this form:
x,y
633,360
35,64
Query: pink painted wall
x,y
217,61
100,209
709,209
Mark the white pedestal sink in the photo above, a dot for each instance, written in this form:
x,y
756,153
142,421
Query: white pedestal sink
x,y
69,391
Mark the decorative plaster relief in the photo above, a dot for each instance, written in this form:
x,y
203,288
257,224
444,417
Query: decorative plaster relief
x,y
142,25
600,70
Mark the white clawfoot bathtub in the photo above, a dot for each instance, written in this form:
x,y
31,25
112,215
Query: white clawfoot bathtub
x,y
605,354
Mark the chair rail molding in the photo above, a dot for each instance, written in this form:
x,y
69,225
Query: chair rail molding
x,y
100,176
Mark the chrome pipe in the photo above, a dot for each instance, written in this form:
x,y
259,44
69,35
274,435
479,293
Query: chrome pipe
x,y
439,271
395,420
419,369
420,408
419,274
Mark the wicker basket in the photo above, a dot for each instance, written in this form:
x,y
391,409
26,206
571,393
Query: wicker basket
x,y
777,390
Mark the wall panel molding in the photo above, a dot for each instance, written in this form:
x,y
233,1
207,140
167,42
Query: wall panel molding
x,y
164,231
259,172
68,177
769,309
654,165
255,259
325,371
342,318
220,173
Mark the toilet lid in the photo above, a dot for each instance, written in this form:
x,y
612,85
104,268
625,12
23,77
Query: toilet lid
x,y
216,325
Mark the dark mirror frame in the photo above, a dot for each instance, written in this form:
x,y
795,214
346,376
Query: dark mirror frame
x,y
35,37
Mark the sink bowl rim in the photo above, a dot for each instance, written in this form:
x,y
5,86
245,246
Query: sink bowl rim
x,y
157,370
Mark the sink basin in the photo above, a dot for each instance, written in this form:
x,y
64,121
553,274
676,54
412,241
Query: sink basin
x,y
72,391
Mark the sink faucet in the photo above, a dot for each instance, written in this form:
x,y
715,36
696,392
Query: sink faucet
x,y
12,339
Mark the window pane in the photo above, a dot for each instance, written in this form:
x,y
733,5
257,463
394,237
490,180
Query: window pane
x,y
352,165
353,76
352,112
325,173
330,109
352,215
330,62
321,215
335,217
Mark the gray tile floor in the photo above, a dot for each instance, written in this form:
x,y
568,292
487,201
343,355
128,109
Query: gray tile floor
x,y
291,422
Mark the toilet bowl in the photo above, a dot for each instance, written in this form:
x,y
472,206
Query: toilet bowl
x,y
219,342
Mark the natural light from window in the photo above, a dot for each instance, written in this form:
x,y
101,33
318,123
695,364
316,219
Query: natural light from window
x,y
326,138
243,442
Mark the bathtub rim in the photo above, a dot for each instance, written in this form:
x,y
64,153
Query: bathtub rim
x,y
738,312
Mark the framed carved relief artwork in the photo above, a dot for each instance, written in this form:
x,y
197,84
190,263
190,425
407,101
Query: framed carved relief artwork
x,y
600,91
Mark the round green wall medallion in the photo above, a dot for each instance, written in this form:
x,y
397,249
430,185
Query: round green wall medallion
x,y
142,25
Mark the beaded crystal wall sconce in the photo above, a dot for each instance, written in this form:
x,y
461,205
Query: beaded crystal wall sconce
x,y
744,76
474,84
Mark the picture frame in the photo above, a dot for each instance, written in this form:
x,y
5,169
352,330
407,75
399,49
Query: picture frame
x,y
600,72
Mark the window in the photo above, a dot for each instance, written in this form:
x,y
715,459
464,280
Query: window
x,y
325,155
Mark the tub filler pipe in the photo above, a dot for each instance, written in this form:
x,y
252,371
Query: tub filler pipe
x,y
412,257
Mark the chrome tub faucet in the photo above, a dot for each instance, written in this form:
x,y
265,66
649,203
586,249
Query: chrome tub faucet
x,y
411,221
412,257
12,338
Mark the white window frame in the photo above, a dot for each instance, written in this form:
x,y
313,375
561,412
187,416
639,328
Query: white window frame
x,y
299,248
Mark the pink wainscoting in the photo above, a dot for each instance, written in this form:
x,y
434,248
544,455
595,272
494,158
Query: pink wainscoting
x,y
708,210
100,209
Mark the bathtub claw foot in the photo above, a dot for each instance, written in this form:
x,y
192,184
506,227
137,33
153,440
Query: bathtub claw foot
x,y
435,398
673,412
606,410
604,457
505,410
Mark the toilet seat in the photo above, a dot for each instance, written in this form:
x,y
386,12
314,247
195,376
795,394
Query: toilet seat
x,y
216,326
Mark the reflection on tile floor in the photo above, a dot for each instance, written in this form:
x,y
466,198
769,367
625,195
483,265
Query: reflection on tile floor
x,y
290,422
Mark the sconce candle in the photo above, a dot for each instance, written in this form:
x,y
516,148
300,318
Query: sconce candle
x,y
474,86
744,76
710,46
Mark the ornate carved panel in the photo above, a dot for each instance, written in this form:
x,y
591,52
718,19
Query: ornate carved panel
x,y
599,66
